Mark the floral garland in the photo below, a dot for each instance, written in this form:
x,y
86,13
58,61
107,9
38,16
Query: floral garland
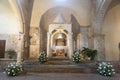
x,y
105,69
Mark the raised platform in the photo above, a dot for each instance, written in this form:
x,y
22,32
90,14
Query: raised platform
x,y
57,65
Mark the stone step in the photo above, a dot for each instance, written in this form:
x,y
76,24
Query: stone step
x,y
59,69
59,59
63,62
52,61
57,65
70,75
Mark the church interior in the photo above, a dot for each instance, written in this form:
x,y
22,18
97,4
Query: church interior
x,y
59,27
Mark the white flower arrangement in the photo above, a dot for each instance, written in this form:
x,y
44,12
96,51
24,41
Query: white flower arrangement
x,y
43,57
76,58
13,69
106,69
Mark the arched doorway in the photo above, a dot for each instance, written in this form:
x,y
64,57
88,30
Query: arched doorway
x,y
59,40
59,43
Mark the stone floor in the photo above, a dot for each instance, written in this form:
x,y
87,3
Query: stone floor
x,y
59,76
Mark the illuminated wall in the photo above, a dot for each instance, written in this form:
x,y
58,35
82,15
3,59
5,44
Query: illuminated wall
x,y
111,29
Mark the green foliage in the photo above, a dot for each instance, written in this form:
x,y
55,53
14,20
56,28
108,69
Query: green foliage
x,y
10,52
89,52
13,69
42,58
105,69
76,58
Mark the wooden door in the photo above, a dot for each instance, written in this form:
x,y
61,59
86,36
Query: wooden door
x,y
2,48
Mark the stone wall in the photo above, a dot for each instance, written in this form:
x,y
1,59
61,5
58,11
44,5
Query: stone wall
x,y
12,42
111,29
34,42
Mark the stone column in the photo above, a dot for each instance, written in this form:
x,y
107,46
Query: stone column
x,y
19,58
99,45
48,44
74,45
84,38
78,42
70,45
20,51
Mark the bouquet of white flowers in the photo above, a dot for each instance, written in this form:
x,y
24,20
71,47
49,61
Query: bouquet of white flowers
x,y
13,69
76,58
105,69
42,58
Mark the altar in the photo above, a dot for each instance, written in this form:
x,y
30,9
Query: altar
x,y
59,50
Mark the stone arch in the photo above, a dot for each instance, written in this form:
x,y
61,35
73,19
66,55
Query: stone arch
x,y
51,13
48,17
55,35
101,14
16,6
60,28
99,38
111,30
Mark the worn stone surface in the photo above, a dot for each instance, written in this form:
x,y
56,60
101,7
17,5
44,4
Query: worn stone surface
x,y
34,51
99,45
60,76
12,41
34,36
84,37
34,42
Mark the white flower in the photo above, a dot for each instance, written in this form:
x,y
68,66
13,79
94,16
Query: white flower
x,y
104,67
100,67
105,74
13,66
108,70
8,69
100,64
108,65
111,65
8,72
113,69
13,74
12,70
103,71
100,71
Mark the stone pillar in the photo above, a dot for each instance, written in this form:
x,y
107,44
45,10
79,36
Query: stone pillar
x,y
70,45
78,42
74,45
84,38
20,51
48,45
99,45
19,58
